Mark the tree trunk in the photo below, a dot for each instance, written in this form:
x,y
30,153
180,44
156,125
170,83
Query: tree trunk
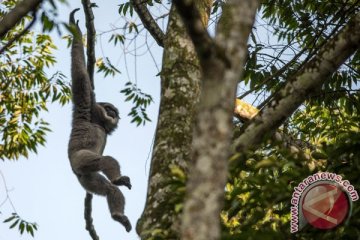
x,y
180,90
221,60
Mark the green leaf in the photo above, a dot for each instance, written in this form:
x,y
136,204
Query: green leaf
x,y
14,224
9,219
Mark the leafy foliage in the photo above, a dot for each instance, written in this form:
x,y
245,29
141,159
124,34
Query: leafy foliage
x,y
125,8
106,67
117,38
25,91
287,36
140,100
16,220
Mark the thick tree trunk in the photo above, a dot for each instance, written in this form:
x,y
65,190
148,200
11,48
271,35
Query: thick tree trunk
x,y
180,90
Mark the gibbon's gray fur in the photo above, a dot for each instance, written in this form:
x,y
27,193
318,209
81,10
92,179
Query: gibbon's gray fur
x,y
91,124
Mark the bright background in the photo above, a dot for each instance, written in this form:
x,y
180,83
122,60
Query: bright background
x,y
43,188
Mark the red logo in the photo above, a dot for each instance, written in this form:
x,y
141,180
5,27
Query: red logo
x,y
325,206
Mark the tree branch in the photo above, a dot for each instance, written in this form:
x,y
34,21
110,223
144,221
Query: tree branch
x,y
90,53
278,73
148,21
298,88
91,34
15,15
18,36
245,112
88,218
205,46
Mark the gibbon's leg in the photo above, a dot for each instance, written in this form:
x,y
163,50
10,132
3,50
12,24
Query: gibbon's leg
x,y
85,161
96,183
113,172
116,202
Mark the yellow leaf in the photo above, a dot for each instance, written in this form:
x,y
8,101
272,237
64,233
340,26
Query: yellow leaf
x,y
265,163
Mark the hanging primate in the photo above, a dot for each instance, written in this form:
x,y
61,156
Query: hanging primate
x,y
92,122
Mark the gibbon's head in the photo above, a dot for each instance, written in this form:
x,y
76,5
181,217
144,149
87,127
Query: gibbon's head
x,y
108,116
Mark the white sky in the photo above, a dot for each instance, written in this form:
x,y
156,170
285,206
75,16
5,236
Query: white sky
x,y
44,189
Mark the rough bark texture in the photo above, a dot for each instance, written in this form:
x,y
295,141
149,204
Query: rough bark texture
x,y
298,88
180,89
222,61
15,15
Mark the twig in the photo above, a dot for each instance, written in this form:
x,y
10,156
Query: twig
x,y
148,21
18,36
7,197
91,34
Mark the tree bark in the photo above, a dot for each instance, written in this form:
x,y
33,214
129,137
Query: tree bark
x,y
222,61
148,21
180,90
15,15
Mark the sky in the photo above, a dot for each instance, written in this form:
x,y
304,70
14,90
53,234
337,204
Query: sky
x,y
43,187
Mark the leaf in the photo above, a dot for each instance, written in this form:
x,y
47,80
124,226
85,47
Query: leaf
x,y
14,224
29,229
22,227
9,219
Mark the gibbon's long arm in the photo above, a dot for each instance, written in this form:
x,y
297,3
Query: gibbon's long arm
x,y
83,96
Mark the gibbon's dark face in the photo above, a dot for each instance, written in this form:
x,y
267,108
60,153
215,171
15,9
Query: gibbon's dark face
x,y
109,116
110,109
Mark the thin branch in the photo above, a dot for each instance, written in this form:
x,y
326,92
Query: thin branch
x,y
88,218
18,36
301,86
313,50
90,53
7,198
91,34
15,15
278,73
148,21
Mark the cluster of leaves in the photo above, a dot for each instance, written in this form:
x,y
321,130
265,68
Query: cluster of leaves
x,y
259,192
117,38
258,195
140,100
294,32
106,67
25,90
128,8
16,220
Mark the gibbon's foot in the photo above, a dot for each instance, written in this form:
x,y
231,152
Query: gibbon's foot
x,y
123,181
121,218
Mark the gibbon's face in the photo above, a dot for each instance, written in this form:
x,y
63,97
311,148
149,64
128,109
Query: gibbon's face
x,y
109,116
